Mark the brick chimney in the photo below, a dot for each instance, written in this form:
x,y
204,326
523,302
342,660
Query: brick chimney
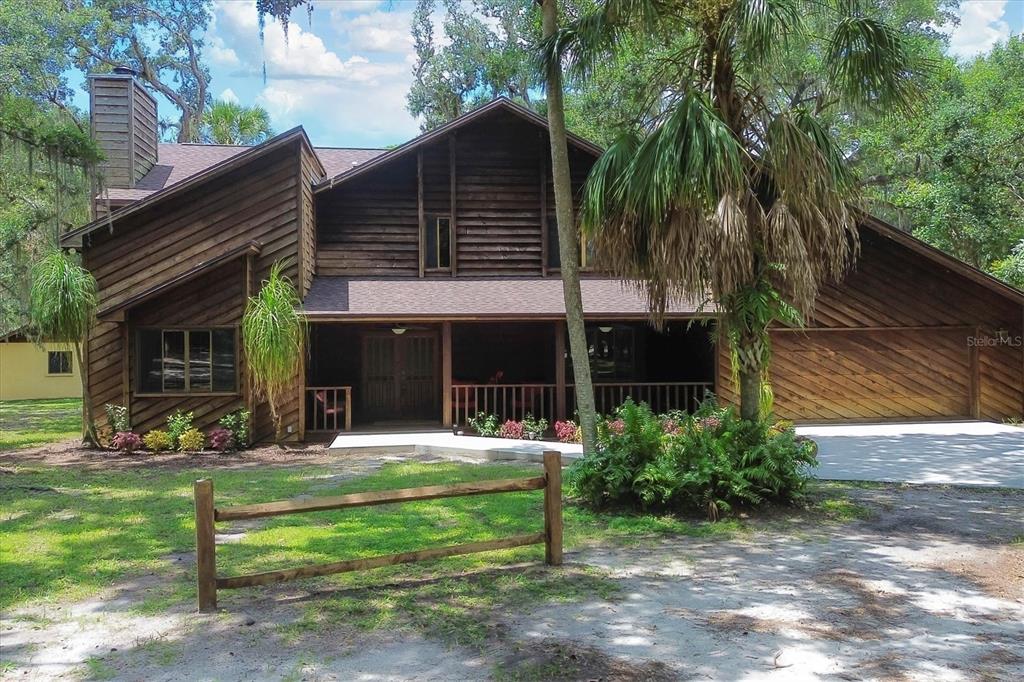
x,y
122,117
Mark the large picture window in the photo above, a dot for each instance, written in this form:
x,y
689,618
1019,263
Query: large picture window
x,y
187,360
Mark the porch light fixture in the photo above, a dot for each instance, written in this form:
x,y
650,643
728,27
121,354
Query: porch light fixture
x,y
398,330
604,330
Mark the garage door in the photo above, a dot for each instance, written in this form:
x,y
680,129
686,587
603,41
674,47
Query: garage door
x,y
829,375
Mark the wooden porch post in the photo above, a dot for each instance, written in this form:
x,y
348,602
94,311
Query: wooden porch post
x,y
446,373
560,370
420,213
974,368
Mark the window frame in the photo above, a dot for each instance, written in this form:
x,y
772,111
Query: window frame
x,y
71,365
432,222
137,366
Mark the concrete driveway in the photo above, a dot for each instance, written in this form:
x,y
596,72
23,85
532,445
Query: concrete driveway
x,y
957,453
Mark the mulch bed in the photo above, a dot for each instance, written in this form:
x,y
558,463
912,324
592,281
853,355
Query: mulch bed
x,y
72,454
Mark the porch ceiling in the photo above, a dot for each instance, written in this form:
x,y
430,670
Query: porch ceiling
x,y
493,297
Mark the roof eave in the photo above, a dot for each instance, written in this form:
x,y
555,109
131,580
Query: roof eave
x,y
73,239
440,132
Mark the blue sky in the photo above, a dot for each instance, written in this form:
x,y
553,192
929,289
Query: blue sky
x,y
345,75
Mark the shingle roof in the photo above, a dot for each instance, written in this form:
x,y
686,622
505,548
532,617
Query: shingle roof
x,y
177,162
375,297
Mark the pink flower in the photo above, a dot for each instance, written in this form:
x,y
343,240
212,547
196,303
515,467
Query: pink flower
x,y
568,432
512,429
617,426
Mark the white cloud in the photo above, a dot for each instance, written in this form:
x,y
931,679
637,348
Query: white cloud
x,y
981,27
376,31
219,53
228,95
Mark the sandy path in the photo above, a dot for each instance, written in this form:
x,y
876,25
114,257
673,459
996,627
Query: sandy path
x,y
931,587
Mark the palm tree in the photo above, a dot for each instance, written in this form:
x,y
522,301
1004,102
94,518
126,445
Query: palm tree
x,y
230,123
734,191
274,338
568,238
62,308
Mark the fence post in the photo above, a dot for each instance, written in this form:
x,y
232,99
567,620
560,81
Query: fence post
x,y
553,508
206,558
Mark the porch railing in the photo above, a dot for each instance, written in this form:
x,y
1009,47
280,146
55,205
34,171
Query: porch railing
x,y
508,401
662,396
515,401
328,408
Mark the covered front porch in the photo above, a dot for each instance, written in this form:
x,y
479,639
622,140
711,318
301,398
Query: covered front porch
x,y
409,375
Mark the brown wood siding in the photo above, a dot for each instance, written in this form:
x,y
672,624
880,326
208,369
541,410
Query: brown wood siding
x,y
110,107
498,199
144,132
258,202
370,226
309,172
214,299
920,367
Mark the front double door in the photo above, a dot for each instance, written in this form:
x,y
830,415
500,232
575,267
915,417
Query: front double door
x,y
400,376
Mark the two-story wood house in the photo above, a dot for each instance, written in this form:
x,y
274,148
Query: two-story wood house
x,y
429,274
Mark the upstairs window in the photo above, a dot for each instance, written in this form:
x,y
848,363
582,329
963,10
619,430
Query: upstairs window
x,y
438,250
58,362
554,256
187,360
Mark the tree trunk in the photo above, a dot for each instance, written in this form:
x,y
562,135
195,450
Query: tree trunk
x,y
89,420
750,394
568,241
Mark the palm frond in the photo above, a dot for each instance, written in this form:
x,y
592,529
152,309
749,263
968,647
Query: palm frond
x,y
764,27
581,44
870,64
62,299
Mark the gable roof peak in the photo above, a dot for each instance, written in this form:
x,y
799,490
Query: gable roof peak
x,y
501,103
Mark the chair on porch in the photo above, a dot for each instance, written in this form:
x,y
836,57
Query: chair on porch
x,y
328,411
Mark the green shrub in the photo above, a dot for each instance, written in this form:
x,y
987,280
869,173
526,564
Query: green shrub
x,y
709,461
237,423
177,424
117,418
485,424
192,440
157,440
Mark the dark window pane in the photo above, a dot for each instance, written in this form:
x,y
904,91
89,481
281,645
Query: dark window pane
x,y
58,362
554,258
174,361
199,361
224,360
150,361
444,236
430,249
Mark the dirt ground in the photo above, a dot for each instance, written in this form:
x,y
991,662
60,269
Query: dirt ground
x,y
929,587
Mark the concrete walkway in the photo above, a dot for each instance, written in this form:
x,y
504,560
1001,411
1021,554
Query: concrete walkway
x,y
955,453
445,443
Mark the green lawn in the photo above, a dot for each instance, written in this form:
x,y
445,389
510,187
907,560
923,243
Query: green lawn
x,y
34,422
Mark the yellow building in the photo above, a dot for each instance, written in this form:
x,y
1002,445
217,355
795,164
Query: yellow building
x,y
30,371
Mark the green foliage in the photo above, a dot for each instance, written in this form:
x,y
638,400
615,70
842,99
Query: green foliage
x,y
273,335
163,41
533,429
177,425
237,423
709,461
191,440
485,53
953,173
157,440
117,418
485,424
63,299
231,123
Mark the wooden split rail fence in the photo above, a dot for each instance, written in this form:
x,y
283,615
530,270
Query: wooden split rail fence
x,y
208,582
